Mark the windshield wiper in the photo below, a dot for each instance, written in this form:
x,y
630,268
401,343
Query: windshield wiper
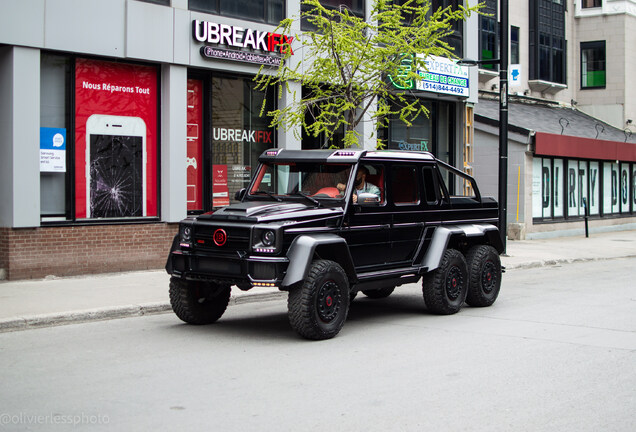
x,y
312,199
268,193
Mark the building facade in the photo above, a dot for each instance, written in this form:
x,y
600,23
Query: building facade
x,y
121,117
572,147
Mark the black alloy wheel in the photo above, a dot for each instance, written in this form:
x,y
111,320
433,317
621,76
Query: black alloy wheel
x,y
446,287
318,308
484,267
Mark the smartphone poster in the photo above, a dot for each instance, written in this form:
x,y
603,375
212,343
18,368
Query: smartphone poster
x,y
115,140
115,166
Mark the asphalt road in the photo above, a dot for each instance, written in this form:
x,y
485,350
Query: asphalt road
x,y
557,352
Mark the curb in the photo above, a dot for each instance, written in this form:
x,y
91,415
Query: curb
x,y
103,314
556,262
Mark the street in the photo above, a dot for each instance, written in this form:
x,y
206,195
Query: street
x,y
556,352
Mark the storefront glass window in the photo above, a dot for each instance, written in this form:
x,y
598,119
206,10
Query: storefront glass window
x,y
610,188
634,187
594,183
537,193
573,188
547,188
624,192
239,135
416,137
54,136
557,188
98,139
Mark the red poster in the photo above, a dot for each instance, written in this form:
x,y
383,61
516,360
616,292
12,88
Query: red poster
x,y
115,140
220,191
194,160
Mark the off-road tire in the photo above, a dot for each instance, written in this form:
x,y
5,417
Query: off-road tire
x,y
318,308
446,287
197,302
484,275
379,293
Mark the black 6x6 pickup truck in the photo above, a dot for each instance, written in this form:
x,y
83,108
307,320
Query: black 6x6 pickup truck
x,y
324,225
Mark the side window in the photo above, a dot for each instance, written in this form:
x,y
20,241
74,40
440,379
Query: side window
x,y
458,184
405,185
432,191
370,179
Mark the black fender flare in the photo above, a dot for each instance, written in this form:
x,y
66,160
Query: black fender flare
x,y
304,247
443,235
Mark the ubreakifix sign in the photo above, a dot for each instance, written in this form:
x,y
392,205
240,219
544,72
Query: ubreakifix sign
x,y
240,44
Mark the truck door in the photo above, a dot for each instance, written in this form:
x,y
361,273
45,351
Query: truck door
x,y
367,227
407,217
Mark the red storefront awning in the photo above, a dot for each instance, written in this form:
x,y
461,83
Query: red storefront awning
x,y
547,144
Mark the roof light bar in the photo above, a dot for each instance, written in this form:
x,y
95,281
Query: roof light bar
x,y
344,153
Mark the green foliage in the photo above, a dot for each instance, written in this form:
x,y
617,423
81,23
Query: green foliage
x,y
346,62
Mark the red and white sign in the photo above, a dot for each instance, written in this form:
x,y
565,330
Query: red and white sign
x,y
220,190
106,90
194,156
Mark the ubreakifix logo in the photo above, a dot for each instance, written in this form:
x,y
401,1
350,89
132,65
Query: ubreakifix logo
x,y
241,38
240,135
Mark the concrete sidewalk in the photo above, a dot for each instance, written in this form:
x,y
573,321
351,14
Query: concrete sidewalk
x,y
54,301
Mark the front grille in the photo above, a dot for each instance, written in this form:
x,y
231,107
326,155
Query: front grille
x,y
237,238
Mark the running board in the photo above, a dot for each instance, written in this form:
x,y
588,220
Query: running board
x,y
392,274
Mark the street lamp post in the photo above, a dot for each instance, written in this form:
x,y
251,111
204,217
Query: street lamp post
x,y
503,122
502,61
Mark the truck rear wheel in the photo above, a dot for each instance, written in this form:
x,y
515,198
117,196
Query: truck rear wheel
x,y
197,302
446,287
484,273
318,308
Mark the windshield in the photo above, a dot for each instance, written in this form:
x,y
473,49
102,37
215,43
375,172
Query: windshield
x,y
317,180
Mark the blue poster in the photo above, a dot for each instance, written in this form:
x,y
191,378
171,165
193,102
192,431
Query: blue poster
x,y
52,149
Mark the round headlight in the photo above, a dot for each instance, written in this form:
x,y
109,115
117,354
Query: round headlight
x,y
186,233
268,238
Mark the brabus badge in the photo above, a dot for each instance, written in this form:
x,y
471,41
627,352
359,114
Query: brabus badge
x,y
220,237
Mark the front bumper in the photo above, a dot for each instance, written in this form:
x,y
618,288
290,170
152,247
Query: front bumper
x,y
243,270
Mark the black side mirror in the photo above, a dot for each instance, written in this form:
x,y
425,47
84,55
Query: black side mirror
x,y
368,199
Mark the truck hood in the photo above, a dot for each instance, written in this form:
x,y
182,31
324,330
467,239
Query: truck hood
x,y
259,211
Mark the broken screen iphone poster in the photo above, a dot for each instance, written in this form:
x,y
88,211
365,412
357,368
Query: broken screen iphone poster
x,y
115,140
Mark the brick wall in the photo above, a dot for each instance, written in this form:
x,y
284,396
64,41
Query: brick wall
x,y
67,251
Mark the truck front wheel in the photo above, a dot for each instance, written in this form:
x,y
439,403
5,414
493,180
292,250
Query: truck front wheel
x,y
318,308
197,302
445,288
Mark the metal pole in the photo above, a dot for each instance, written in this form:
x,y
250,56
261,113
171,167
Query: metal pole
x,y
503,121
